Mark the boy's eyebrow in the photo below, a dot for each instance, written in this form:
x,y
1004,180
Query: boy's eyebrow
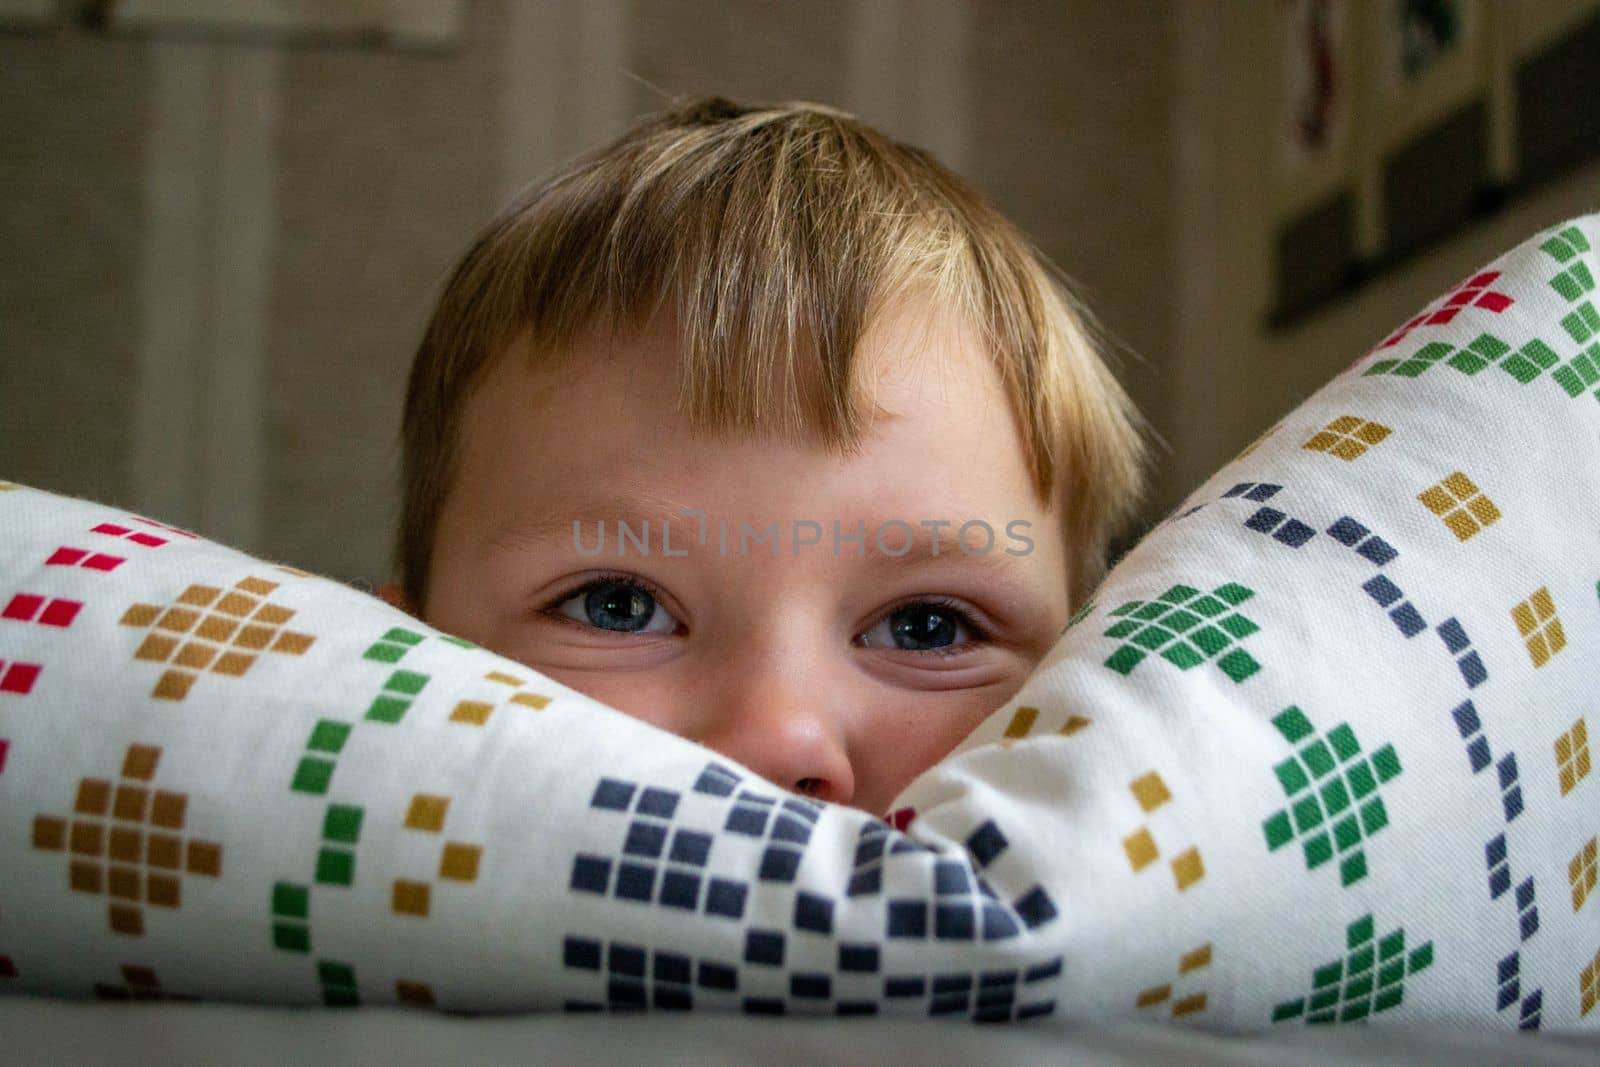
x,y
637,511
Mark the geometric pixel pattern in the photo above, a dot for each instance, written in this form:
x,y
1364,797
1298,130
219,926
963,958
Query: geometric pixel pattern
x,y
1572,756
1369,979
209,629
1348,437
1497,857
1140,847
1565,246
1589,985
1509,989
1465,508
1291,532
1189,1004
1188,628
1474,292
458,862
393,645
125,841
1539,626
143,539
138,983
1021,724
1459,645
638,978
670,857
477,712
46,611
18,678
1333,794
338,982
1581,873
67,556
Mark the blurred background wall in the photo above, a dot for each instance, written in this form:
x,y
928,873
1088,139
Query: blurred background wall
x,y
217,250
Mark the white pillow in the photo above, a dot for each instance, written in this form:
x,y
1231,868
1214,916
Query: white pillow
x,y
1317,753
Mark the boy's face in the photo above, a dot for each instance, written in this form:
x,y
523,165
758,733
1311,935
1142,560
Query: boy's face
x,y
841,672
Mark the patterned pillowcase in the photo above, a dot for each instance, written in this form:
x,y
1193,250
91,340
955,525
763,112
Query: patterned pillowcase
x,y
1317,753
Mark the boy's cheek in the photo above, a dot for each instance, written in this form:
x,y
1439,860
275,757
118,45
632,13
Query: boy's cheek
x,y
391,593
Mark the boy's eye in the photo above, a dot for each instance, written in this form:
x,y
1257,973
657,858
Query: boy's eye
x,y
924,626
617,605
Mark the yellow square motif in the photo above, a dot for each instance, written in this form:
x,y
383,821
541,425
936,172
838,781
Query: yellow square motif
x,y
1141,849
427,812
1150,791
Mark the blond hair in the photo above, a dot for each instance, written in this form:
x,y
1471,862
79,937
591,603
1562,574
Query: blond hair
x,y
779,233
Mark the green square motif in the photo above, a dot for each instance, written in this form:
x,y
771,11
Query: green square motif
x,y
1346,834
291,937
1238,626
342,823
1540,353
1374,816
291,901
1291,776
1181,620
1124,659
1392,946
1234,593
1318,758
1293,724
1335,797
1183,656
312,776
1238,665
388,709
335,866
1153,637
383,652
1307,814
1343,740
1489,346
1387,762
1278,830
1318,850
328,736
332,972
409,682
1210,639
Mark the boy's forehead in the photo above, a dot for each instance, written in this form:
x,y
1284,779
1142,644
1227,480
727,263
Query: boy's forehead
x,y
607,410
909,346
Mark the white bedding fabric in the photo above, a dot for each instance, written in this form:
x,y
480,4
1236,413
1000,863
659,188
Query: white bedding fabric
x,y
1317,755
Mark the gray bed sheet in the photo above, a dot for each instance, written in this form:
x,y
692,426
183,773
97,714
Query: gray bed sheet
x,y
37,1030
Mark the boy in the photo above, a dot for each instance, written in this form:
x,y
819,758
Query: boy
x,y
810,367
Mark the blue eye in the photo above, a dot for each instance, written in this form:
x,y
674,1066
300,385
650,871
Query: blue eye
x,y
617,604
930,626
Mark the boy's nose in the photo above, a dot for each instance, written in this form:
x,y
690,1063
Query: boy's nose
x,y
781,724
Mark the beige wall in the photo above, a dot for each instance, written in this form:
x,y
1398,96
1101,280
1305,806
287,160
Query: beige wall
x,y
216,258
1230,376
